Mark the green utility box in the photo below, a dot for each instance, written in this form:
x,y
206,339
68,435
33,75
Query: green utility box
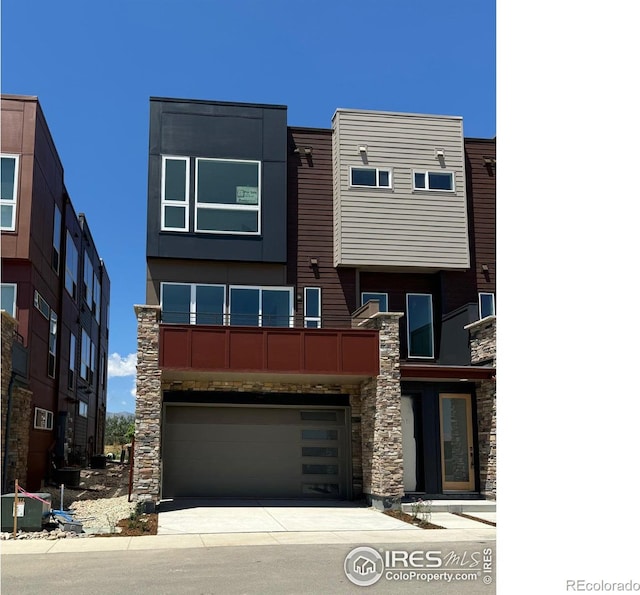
x,y
31,512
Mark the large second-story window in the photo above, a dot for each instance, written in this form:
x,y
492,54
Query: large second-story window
x,y
420,341
57,238
190,303
8,192
8,298
71,267
261,306
227,196
175,193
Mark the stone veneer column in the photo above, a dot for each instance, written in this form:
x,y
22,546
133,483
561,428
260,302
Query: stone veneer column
x,y
146,468
482,335
382,462
21,412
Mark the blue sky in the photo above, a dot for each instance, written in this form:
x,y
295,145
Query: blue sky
x,y
95,65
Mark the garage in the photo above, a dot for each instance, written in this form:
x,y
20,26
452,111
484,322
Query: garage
x,y
245,451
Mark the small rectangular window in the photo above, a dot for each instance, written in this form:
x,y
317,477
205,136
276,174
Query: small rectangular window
x,y
9,297
43,419
175,194
420,339
487,303
71,267
97,296
434,180
319,434
83,409
57,238
373,177
53,344
41,305
319,451
312,307
319,469
8,192
319,415
382,298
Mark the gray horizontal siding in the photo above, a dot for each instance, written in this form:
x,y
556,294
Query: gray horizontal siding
x,y
399,226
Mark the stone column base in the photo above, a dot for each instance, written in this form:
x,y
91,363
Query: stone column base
x,y
383,502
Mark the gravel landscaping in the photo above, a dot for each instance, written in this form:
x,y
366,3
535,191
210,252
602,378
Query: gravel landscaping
x,y
100,502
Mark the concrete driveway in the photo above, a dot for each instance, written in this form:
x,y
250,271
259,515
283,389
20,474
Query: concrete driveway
x,y
188,516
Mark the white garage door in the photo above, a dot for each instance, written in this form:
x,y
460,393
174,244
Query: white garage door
x,y
254,452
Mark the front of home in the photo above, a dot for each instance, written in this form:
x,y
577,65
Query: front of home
x,y
313,300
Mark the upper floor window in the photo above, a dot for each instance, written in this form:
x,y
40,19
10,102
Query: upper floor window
x,y
8,298
8,192
371,177
190,303
433,180
175,194
71,267
382,298
312,307
97,295
420,340
487,303
57,238
88,281
83,408
85,357
227,196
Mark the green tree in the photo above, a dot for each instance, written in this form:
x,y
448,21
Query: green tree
x,y
118,428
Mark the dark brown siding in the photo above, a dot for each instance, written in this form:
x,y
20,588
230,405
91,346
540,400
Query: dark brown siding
x,y
481,188
310,228
460,288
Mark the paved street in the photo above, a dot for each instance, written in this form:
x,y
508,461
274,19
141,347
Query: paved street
x,y
234,570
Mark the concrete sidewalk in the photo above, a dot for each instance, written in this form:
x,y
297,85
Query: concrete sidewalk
x,y
163,542
206,523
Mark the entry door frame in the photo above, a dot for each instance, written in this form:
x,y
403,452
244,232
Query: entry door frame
x,y
459,486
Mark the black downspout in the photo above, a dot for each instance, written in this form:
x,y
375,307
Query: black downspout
x,y
5,458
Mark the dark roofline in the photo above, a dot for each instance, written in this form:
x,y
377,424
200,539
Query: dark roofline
x,y
308,129
211,102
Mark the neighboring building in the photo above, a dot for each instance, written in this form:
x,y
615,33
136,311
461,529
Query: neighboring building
x,y
55,288
307,297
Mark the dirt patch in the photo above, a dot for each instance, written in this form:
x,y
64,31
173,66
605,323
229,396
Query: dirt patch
x,y
407,518
95,484
143,524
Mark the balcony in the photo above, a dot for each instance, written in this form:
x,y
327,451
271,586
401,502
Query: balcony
x,y
340,353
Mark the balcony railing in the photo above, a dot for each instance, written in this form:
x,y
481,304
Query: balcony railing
x,y
218,348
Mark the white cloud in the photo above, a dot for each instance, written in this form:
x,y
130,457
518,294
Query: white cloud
x,y
122,366
133,389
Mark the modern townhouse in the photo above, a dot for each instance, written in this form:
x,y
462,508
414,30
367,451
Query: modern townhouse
x,y
320,307
55,302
